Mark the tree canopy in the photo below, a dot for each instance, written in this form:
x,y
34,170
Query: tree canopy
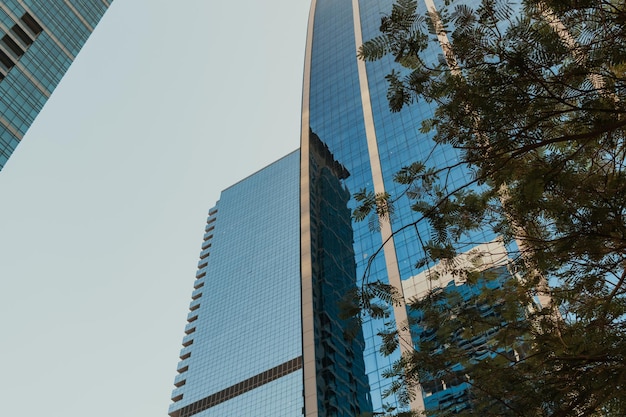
x,y
533,96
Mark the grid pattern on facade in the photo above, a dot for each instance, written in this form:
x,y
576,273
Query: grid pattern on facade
x,y
14,45
38,41
240,388
336,116
245,317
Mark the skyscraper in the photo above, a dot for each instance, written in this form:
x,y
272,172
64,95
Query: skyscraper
x,y
242,353
350,141
39,39
345,104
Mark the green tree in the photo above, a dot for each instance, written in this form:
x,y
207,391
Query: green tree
x,y
533,96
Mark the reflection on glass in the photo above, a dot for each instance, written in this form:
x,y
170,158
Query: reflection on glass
x,y
342,384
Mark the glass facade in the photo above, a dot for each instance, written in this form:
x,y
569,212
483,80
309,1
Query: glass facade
x,y
39,39
242,349
345,104
341,384
340,112
450,390
265,333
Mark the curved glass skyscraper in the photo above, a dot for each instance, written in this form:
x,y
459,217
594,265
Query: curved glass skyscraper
x,y
265,335
345,104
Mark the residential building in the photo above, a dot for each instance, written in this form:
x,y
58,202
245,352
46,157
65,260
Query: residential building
x,y
39,39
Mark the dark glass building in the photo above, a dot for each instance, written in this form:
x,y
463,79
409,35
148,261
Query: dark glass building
x,y
39,39
265,335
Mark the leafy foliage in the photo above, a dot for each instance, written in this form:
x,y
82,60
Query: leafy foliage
x,y
535,102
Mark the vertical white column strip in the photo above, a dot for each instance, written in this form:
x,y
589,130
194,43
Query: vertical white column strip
x,y
442,36
80,16
4,122
33,80
306,269
544,296
389,250
568,40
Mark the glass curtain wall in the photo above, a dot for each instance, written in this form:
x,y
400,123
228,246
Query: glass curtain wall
x,y
349,111
242,351
39,39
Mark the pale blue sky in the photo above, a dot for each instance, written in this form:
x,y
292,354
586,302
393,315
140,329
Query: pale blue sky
x,y
103,204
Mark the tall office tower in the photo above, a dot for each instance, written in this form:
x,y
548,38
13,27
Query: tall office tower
x,y
345,104
242,353
265,334
39,39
